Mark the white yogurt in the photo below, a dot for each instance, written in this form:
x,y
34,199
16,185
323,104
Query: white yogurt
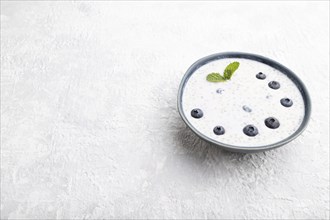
x,y
222,103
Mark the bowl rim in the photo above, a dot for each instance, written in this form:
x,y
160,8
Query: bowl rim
x,y
245,149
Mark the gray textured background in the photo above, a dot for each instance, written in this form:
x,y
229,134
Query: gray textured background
x,y
89,125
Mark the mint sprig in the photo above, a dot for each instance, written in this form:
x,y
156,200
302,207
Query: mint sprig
x,y
230,69
215,77
227,73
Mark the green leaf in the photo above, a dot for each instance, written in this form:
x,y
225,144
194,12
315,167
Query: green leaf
x,y
230,69
215,77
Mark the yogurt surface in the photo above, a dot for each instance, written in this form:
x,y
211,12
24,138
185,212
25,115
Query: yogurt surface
x,y
242,101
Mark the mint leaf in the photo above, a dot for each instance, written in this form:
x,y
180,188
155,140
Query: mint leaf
x,y
215,77
230,69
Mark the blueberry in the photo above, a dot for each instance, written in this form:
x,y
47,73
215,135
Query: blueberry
x,y
250,130
274,85
286,102
261,76
196,113
219,130
272,123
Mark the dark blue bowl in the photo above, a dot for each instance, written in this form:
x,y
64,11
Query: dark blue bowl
x,y
267,61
